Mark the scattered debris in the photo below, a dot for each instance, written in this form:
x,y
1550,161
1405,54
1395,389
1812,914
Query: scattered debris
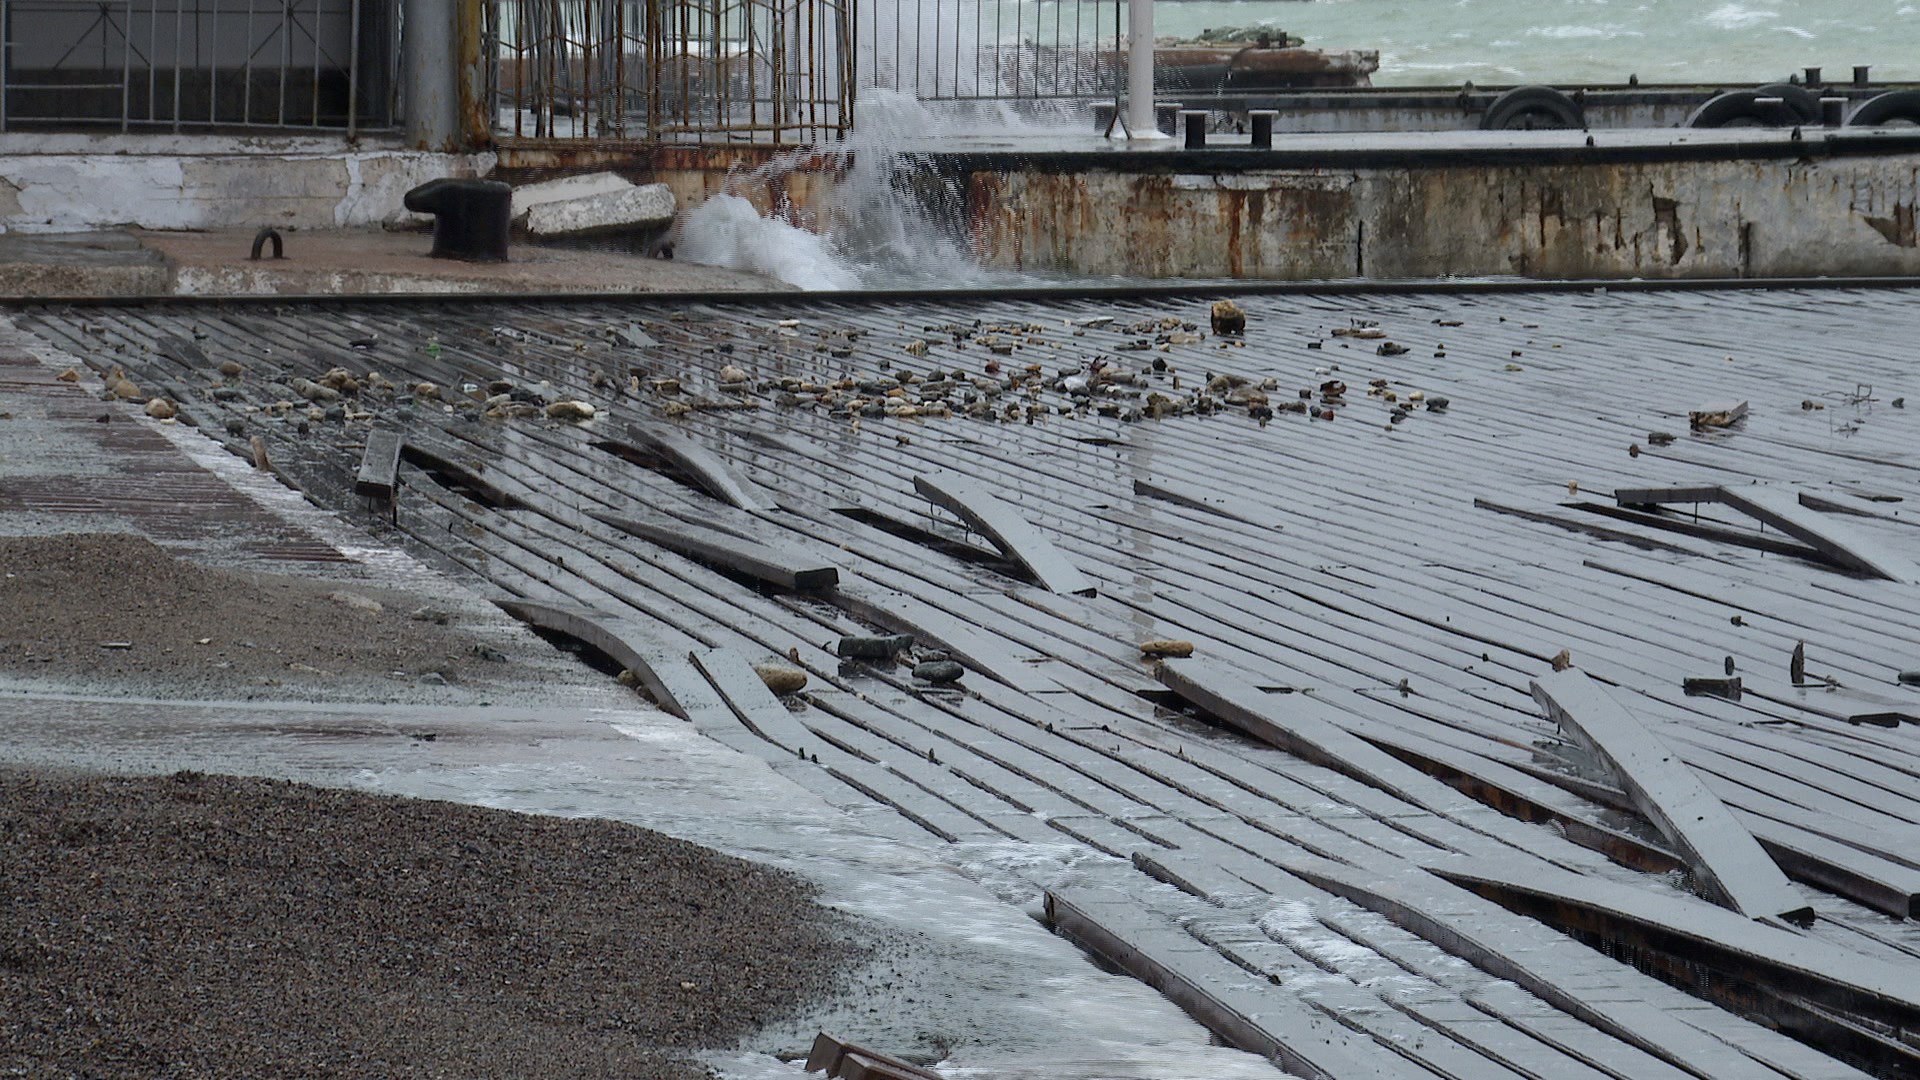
x,y
939,672
570,410
780,678
1228,318
1166,647
883,647
162,409
1562,660
1717,416
69,375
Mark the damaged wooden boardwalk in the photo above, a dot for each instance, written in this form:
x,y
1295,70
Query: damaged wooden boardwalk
x,y
1385,848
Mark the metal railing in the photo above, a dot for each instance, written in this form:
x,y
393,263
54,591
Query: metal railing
x,y
694,71
958,50
197,64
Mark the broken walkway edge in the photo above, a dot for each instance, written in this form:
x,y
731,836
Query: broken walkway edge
x,y
1207,987
1781,960
1731,866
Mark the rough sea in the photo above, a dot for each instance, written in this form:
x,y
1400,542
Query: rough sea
x,y
1495,42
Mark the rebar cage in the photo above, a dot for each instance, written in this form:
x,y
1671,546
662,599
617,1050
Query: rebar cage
x,y
197,64
698,71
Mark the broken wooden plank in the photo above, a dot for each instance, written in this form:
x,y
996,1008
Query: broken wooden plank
x,y
1195,498
974,646
762,562
1839,541
1001,523
702,466
747,695
1607,994
1243,1012
1298,728
379,465
1781,960
1729,863
458,468
842,1060
657,655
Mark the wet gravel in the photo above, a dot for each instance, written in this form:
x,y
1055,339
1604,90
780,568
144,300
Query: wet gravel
x,y
113,608
213,926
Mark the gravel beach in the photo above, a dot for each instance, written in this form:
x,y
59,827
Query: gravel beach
x,y
210,926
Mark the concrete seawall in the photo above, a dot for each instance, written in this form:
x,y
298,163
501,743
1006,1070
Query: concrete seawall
x,y
1659,206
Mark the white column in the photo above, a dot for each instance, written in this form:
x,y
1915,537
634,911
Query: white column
x,y
431,97
1140,71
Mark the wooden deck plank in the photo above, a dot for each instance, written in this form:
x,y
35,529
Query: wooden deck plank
x,y
1000,522
1227,1001
1730,864
789,570
1836,539
379,474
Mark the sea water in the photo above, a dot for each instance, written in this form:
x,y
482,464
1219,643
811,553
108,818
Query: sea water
x,y
1497,42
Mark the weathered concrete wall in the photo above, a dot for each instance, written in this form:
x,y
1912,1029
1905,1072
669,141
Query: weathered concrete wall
x,y
1734,218
65,183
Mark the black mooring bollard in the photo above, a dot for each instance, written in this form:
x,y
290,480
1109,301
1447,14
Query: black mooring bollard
x,y
1195,121
1260,127
470,217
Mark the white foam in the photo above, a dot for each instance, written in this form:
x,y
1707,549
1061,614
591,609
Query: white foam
x,y
727,231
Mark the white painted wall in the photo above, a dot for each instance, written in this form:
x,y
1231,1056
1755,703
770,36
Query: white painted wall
x,y
69,183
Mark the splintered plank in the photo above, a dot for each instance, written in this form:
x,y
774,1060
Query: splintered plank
x,y
1730,864
1837,540
1778,959
379,465
762,562
1001,523
1608,995
1247,1014
656,655
1230,694
747,695
703,466
1193,497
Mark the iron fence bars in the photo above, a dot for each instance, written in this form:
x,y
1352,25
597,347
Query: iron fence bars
x,y
699,71
182,65
948,50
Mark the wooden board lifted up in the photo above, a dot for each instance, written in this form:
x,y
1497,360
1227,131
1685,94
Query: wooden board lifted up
x,y
1001,523
703,466
379,466
1729,863
1837,540
762,562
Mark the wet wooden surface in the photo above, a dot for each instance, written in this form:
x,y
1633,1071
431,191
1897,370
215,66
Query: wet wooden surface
x,y
1343,571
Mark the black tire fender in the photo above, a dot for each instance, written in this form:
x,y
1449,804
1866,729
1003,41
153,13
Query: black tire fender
x,y
1734,106
1533,108
1887,108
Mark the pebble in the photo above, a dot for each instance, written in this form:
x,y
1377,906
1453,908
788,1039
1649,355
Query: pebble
x,y
356,602
873,648
939,672
230,368
781,679
1228,318
162,409
570,410
1166,647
